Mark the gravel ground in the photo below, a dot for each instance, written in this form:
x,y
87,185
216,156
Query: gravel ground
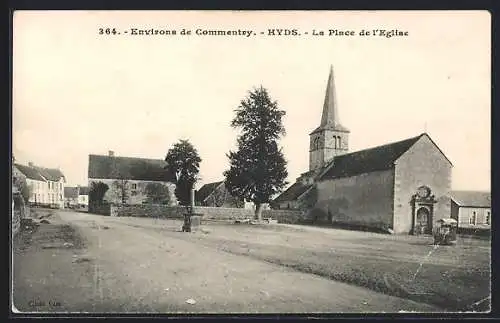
x,y
87,263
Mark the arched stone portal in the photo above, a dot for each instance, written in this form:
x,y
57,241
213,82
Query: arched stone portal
x,y
423,208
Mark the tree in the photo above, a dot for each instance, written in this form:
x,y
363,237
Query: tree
x,y
183,161
97,192
258,167
157,193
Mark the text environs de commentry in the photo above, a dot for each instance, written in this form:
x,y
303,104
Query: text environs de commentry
x,y
198,32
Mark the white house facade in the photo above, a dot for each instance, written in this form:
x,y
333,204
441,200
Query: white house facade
x,y
46,185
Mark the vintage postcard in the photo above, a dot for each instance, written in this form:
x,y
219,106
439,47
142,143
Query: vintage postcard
x,y
251,162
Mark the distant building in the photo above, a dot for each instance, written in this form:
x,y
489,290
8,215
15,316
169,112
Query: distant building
x,y
290,199
471,208
216,195
71,196
403,186
76,196
83,196
128,178
46,185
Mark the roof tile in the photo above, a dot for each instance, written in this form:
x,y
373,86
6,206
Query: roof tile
x,y
368,160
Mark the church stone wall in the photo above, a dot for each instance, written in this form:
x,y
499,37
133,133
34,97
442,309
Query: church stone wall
x,y
422,164
365,199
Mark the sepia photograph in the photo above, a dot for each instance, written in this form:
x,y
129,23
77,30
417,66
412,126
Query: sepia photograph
x,y
250,162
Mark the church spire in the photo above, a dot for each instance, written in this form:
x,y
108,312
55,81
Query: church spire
x,y
330,139
330,115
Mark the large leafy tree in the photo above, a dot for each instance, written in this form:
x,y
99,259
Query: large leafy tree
x,y
258,168
183,163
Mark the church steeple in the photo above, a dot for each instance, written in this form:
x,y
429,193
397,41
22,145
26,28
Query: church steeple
x,y
330,116
330,139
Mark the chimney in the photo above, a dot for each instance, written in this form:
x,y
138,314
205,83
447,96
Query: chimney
x,y
111,153
30,164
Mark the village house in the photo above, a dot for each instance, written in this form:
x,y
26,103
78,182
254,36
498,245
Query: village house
x,y
401,187
129,178
216,195
471,209
83,196
46,185
76,196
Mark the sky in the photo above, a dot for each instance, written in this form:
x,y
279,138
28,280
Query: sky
x,y
76,92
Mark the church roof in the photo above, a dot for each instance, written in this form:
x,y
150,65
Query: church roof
x,y
368,160
337,127
330,118
471,198
131,168
206,190
293,192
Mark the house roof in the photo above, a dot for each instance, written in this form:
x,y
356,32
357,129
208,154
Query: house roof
x,y
132,168
84,190
70,192
368,160
206,190
40,173
51,174
30,172
471,198
292,193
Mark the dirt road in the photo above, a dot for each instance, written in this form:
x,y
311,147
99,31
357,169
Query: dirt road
x,y
104,264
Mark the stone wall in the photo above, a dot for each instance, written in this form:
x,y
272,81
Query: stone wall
x,y
286,216
422,164
361,200
209,213
148,210
102,209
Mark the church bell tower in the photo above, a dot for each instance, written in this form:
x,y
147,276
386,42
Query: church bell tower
x,y
330,139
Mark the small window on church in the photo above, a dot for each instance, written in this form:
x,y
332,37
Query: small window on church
x,y
316,143
488,218
338,142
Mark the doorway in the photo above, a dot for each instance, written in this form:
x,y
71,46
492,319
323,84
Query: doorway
x,y
422,224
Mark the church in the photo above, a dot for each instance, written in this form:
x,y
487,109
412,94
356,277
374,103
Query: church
x,y
401,187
